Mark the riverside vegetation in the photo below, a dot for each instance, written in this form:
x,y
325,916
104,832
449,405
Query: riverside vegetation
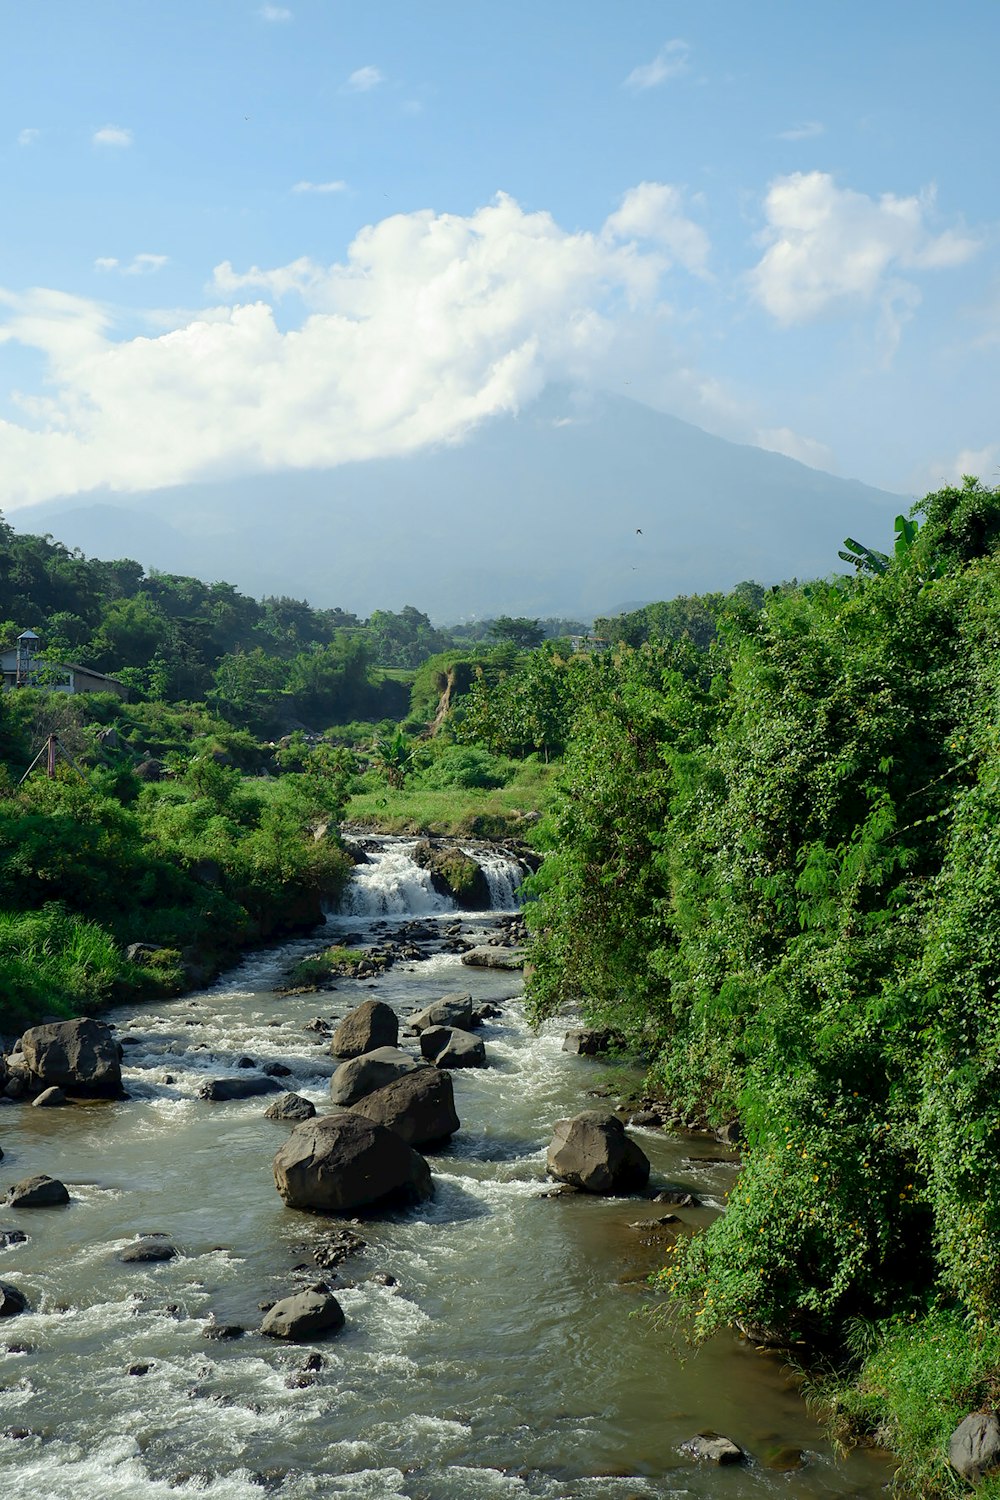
x,y
771,837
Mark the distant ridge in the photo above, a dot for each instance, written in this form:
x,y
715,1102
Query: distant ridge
x,y
534,514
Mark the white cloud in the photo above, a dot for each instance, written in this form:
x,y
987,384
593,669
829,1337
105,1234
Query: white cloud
x,y
143,264
28,136
320,187
431,323
983,463
112,135
363,79
673,59
807,131
275,13
829,246
654,211
793,445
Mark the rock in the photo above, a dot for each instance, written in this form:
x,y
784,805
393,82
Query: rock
x,y
454,873
49,1099
15,1088
647,1118
80,1057
12,1301
731,1134
592,1151
590,1041
303,1316
419,1107
370,1025
679,1196
974,1446
150,770
449,1047
494,958
712,1448
246,1062
109,738
372,1070
147,1248
277,1069
451,1010
221,1090
336,1248
142,1367
290,1107
222,1331
11,1237
141,953
343,1161
37,1192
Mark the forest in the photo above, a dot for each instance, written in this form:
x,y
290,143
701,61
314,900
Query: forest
x,y
769,821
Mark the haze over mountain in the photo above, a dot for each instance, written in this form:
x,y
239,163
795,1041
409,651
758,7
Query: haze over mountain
x,y
573,507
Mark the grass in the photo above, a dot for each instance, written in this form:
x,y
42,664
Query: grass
x,y
478,813
319,968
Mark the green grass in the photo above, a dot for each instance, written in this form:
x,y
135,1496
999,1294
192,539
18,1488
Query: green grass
x,y
316,970
495,813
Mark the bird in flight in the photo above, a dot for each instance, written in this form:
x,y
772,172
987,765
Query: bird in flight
x,y
638,531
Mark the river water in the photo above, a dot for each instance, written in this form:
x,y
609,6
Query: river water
x,y
505,1361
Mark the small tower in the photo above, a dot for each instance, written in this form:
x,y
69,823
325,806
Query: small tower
x,y
27,644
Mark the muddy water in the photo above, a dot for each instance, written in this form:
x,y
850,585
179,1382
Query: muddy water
x,y
504,1362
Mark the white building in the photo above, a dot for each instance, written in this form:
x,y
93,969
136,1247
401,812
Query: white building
x,y
22,666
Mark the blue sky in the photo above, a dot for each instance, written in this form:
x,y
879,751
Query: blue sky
x,y
242,237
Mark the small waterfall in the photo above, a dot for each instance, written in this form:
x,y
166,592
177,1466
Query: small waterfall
x,y
390,884
503,876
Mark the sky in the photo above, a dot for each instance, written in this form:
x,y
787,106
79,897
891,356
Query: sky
x,y
241,237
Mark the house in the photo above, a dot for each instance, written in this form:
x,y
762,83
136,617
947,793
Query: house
x,y
22,666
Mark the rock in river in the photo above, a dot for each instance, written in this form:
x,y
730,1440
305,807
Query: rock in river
x,y
80,1057
12,1301
221,1090
291,1107
37,1192
343,1161
712,1448
373,1024
303,1316
450,1047
373,1070
451,1010
592,1151
419,1107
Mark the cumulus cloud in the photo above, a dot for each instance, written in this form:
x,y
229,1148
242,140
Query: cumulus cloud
x,y
829,246
363,79
28,136
112,135
320,187
807,131
673,59
982,463
430,323
655,211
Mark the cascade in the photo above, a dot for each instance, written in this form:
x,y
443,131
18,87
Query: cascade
x,y
503,876
390,884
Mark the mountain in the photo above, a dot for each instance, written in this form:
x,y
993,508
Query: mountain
x,y
564,509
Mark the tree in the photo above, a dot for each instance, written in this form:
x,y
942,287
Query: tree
x,y
522,632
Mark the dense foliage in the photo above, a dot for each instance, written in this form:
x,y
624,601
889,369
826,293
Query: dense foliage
x,y
775,867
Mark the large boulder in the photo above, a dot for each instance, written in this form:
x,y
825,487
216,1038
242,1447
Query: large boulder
x,y
373,1024
974,1446
419,1107
247,1086
488,957
343,1161
451,1010
590,1041
373,1070
591,1151
80,1057
12,1301
39,1191
303,1316
450,1047
291,1107
454,873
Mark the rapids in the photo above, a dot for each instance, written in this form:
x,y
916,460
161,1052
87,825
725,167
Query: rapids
x,y
503,1362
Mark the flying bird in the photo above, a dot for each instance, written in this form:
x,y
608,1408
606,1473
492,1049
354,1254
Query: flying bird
x,y
638,531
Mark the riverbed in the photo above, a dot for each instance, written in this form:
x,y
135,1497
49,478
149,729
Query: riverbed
x,y
496,1343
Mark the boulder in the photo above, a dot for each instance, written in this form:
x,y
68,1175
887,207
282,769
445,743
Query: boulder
x,y
80,1057
221,1090
592,1151
450,1047
147,1249
49,1099
589,1041
371,1025
454,873
291,1107
303,1316
12,1301
712,1448
37,1192
419,1107
494,958
451,1010
343,1161
373,1070
974,1446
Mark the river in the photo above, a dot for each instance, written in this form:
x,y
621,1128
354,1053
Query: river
x,y
504,1361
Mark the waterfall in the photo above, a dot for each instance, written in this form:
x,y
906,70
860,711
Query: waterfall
x,y
503,876
390,884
